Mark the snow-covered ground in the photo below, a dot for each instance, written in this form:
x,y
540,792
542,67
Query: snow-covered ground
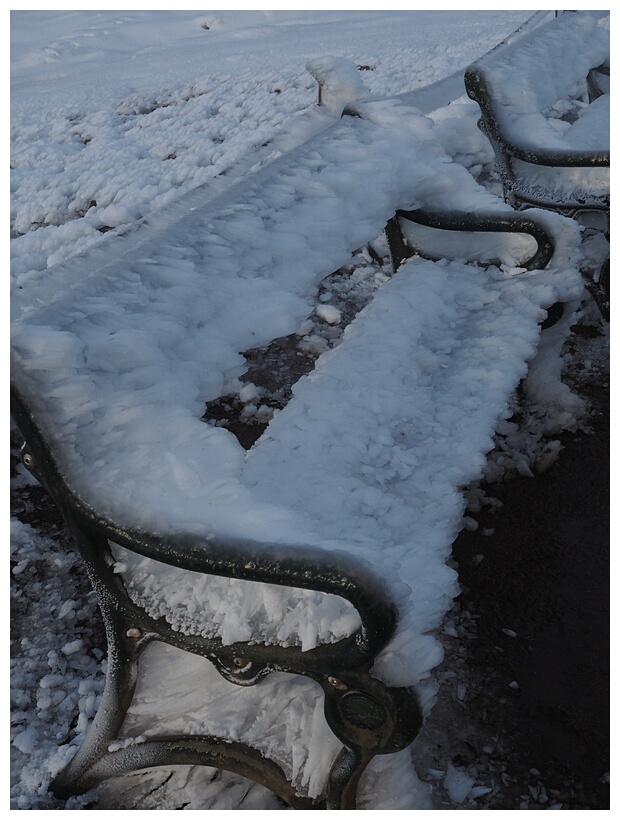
x,y
118,114
114,115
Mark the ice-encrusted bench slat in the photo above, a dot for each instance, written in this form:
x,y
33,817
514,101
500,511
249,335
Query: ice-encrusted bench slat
x,y
543,161
112,376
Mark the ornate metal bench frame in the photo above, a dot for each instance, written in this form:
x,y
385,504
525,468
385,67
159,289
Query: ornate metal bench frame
x,y
366,716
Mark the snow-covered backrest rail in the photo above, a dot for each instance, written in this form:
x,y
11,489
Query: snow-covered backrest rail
x,y
533,96
136,337
321,550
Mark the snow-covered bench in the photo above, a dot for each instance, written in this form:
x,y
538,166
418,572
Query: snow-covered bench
x,y
546,116
313,565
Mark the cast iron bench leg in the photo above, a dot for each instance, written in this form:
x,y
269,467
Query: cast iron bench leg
x,y
368,717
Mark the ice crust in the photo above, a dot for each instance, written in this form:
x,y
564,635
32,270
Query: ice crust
x,y
339,80
299,740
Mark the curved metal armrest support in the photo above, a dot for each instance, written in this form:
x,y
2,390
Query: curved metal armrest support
x,y
478,90
559,158
504,222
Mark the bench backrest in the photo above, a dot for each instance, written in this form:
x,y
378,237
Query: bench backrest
x,y
139,341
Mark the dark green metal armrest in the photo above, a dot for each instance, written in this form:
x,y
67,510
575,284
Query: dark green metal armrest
x,y
467,222
477,88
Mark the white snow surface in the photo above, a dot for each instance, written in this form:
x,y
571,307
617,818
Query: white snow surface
x,y
116,118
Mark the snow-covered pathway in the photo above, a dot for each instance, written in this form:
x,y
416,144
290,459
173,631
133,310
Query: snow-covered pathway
x,y
48,237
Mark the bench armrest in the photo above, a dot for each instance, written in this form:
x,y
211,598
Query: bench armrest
x,y
504,222
478,90
300,567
